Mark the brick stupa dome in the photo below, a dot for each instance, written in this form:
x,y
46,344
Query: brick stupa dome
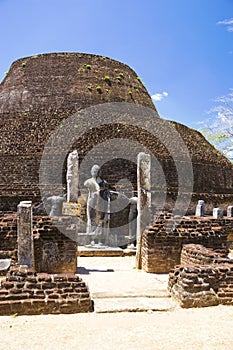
x,y
40,91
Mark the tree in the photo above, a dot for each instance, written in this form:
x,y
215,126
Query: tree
x,y
219,129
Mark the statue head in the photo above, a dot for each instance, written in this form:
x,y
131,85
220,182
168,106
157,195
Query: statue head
x,y
95,170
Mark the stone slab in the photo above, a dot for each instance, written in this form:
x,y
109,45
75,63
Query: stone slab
x,y
117,277
108,251
4,265
138,304
99,251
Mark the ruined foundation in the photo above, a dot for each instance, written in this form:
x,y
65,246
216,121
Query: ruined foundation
x,y
26,292
162,245
42,278
204,278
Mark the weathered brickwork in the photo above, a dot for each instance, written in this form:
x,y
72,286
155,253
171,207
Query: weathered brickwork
x,y
55,250
8,236
27,292
40,92
196,254
162,245
203,279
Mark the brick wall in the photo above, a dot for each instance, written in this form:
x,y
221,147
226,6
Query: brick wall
x,y
203,279
162,245
8,236
196,254
55,242
27,292
54,251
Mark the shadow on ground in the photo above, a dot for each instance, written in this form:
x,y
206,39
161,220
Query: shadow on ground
x,y
83,271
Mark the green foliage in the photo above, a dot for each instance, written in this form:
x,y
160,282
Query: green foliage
x,y
99,89
89,87
87,66
215,137
218,130
130,93
23,64
6,73
107,78
138,78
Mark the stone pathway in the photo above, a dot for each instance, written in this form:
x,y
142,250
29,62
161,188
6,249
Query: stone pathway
x,y
116,286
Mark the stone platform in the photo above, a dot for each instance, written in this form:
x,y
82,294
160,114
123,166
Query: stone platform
x,y
91,250
117,286
25,292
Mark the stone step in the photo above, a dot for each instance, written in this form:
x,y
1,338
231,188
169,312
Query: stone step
x,y
150,294
137,304
89,251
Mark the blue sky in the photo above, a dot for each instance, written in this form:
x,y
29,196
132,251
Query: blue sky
x,y
178,47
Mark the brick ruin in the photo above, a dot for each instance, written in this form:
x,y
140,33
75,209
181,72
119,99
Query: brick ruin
x,y
26,292
46,230
8,234
48,283
40,92
194,253
162,242
204,278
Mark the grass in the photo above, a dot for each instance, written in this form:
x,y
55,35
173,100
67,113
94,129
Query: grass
x,y
89,87
87,66
99,89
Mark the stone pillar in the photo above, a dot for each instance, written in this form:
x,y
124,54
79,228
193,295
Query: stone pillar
x,y
24,231
144,200
72,177
230,211
200,208
217,213
133,212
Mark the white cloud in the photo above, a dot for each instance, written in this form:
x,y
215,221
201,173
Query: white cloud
x,y
228,23
159,96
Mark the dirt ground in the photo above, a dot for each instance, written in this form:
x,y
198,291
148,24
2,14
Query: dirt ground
x,y
175,329
189,329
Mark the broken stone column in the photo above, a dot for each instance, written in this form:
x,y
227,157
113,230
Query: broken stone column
x,y
144,200
72,177
217,213
200,208
230,211
24,231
